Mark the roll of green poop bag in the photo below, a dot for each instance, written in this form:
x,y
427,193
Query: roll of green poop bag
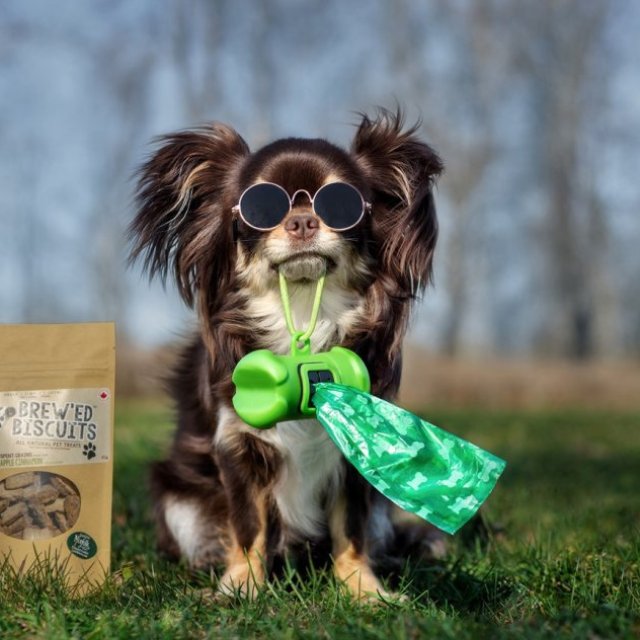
x,y
423,469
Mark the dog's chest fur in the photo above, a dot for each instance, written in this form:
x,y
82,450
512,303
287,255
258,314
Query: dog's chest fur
x,y
339,311
312,469
310,476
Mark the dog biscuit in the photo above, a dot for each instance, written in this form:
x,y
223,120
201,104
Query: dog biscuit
x,y
12,513
44,495
18,526
72,508
19,481
60,521
64,487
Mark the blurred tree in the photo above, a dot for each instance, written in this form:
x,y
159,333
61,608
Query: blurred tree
x,y
456,96
478,79
556,47
266,31
197,31
126,84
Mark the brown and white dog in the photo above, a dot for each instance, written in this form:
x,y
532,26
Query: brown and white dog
x,y
240,497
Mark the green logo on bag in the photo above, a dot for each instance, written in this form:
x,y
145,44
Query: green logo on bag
x,y
82,545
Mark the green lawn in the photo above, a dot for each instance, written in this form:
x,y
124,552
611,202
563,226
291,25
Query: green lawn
x,y
565,563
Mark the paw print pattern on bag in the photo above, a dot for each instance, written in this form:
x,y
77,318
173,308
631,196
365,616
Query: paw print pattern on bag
x,y
89,450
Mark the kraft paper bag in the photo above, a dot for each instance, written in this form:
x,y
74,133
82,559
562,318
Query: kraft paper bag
x,y
56,449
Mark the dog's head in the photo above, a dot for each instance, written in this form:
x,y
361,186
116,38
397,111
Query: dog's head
x,y
193,222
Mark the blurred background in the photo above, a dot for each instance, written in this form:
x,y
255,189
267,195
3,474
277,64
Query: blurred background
x,y
534,106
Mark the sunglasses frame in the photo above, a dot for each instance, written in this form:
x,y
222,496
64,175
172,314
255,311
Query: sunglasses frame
x,y
366,206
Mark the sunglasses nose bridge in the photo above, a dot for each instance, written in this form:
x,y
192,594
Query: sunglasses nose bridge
x,y
301,191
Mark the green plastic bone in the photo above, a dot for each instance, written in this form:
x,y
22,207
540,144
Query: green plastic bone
x,y
272,388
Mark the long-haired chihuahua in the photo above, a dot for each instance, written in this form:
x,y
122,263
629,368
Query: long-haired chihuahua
x,y
223,222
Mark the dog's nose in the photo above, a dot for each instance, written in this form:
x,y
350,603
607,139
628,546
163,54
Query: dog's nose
x,y
302,226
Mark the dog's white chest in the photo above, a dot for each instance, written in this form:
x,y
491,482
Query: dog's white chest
x,y
311,475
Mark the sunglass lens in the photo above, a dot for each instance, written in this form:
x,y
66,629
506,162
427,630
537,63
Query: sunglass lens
x,y
264,205
339,205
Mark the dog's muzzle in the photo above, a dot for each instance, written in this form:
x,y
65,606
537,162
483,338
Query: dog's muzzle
x,y
306,266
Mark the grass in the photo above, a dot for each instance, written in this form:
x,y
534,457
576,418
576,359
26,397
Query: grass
x,y
565,562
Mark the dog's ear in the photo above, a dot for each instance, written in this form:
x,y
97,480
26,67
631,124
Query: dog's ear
x,y
401,171
183,224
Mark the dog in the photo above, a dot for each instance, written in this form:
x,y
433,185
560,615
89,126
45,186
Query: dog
x,y
240,497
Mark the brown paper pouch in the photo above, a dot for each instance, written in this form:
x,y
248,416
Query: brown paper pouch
x,y
56,449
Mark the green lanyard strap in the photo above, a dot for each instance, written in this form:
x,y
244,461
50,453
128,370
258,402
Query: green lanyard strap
x,y
300,340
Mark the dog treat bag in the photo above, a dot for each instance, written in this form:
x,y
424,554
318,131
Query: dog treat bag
x,y
56,449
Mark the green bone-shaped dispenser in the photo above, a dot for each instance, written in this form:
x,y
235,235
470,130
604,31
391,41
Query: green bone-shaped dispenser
x,y
272,388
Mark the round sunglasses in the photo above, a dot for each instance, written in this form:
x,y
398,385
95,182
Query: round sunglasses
x,y
264,206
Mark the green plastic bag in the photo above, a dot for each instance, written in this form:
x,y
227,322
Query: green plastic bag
x,y
423,469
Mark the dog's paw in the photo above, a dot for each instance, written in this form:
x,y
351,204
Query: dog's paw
x,y
358,579
239,582
374,595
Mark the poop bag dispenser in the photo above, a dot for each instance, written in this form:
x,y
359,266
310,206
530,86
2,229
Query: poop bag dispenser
x,y
423,469
272,388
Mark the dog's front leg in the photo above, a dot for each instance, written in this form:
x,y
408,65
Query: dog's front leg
x,y
248,468
348,524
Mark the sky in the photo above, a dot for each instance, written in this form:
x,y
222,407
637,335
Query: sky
x,y
85,88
